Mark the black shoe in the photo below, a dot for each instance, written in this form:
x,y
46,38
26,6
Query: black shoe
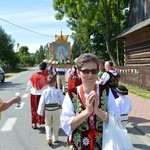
x,y
55,141
64,93
34,126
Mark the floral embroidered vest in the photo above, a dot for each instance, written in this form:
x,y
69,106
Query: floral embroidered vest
x,y
84,137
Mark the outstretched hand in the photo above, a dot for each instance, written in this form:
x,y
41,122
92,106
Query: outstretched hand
x,y
17,99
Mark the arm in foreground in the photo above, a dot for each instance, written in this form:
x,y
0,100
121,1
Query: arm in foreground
x,y
9,103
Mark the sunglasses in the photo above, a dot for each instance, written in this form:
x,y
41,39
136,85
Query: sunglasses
x,y
87,71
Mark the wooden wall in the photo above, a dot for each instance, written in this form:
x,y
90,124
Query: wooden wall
x,y
135,75
137,48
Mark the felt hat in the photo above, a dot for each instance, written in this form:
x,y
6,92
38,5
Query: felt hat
x,y
122,90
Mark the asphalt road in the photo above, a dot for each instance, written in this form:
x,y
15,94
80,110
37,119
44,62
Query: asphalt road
x,y
15,126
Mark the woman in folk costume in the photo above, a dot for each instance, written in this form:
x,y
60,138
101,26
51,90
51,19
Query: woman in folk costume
x,y
73,79
37,82
86,107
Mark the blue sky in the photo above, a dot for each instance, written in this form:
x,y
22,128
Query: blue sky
x,y
35,15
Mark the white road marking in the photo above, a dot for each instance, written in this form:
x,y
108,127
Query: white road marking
x,y
20,106
25,95
9,124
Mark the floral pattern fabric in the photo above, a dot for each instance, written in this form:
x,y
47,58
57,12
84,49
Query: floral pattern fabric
x,y
85,136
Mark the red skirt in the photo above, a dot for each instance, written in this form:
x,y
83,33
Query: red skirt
x,y
35,118
73,82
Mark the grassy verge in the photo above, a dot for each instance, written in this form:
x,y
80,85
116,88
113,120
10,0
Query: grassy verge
x,y
138,90
12,72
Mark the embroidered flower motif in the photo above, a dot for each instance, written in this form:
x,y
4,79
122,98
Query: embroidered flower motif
x,y
99,138
104,100
78,108
77,104
91,117
86,141
99,123
84,126
77,138
92,121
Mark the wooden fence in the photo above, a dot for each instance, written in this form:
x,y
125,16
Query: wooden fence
x,y
139,76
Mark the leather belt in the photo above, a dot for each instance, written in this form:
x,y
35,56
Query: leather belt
x,y
52,107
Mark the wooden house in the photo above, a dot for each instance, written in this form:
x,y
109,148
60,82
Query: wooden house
x,y
136,38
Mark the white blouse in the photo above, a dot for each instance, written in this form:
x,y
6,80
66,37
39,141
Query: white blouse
x,y
68,110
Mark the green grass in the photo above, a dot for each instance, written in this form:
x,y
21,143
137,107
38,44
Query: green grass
x,y
137,90
17,70
12,72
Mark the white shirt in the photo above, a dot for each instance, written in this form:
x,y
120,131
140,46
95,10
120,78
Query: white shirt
x,y
68,110
124,104
105,77
33,90
60,69
49,96
51,68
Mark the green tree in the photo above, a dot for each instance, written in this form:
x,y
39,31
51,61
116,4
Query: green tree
x,y
7,55
25,57
47,52
23,50
39,55
95,24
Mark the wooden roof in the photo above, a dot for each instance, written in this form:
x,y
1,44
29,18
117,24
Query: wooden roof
x,y
133,29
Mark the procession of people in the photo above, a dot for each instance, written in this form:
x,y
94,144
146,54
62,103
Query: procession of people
x,y
85,104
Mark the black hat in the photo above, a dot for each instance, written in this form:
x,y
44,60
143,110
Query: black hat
x,y
122,90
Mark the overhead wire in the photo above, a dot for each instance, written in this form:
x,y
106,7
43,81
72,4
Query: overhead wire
x,y
26,28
